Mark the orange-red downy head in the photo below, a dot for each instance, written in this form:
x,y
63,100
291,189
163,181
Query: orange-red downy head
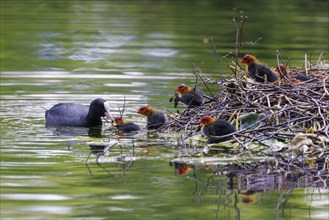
x,y
146,110
183,89
248,59
183,169
119,120
281,67
206,120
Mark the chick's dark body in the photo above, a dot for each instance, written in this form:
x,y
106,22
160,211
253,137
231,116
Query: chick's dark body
x,y
156,120
260,73
128,127
303,78
218,128
193,97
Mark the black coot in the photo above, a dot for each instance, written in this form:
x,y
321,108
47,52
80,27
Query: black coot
x,y
77,115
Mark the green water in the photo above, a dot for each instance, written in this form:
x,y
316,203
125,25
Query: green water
x,y
75,51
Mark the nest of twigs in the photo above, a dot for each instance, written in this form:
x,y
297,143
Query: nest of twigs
x,y
296,116
289,108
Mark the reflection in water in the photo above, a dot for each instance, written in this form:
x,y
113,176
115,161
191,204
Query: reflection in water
x,y
114,161
76,131
229,185
181,168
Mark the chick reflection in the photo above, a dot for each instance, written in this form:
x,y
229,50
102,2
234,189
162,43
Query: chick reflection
x,y
181,168
249,197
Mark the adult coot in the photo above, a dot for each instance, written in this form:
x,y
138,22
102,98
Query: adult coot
x,y
77,115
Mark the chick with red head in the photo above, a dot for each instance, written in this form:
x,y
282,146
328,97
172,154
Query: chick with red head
x,y
259,72
297,78
125,126
190,96
211,128
155,119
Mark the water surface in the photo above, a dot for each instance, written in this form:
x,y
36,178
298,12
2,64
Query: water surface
x,y
76,51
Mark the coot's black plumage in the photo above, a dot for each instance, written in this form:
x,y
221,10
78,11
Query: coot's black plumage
x,y
77,115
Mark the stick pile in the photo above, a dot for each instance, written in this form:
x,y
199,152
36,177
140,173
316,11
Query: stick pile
x,y
289,108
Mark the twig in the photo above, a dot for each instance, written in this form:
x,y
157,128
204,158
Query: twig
x,y
219,64
123,107
204,83
305,63
319,59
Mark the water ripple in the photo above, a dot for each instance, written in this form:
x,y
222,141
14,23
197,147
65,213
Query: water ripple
x,y
43,197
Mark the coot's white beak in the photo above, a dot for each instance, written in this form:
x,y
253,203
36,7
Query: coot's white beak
x,y
108,112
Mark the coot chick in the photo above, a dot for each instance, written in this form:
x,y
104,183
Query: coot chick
x,y
155,119
190,97
296,78
77,115
259,72
211,127
124,126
